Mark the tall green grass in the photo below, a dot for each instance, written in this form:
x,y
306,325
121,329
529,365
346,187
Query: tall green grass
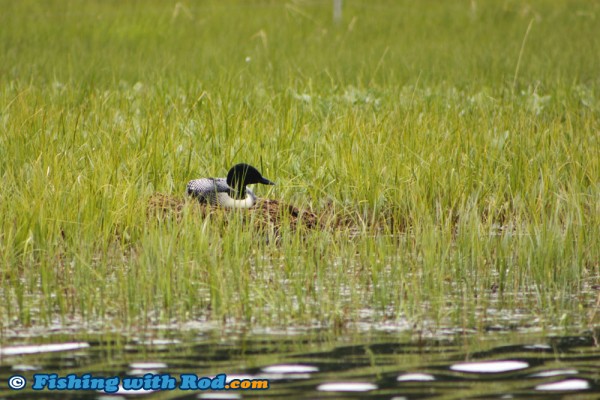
x,y
471,184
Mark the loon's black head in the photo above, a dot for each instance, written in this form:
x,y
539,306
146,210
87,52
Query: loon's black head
x,y
243,174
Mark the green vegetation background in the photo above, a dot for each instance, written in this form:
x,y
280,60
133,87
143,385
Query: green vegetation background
x,y
460,138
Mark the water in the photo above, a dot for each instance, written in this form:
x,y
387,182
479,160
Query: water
x,y
311,365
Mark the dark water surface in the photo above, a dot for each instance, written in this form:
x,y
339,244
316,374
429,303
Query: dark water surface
x,y
313,365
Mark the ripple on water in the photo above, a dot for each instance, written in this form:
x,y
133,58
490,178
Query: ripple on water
x,y
42,348
555,372
381,365
160,342
568,384
25,367
148,365
538,347
490,367
290,369
415,377
142,368
346,387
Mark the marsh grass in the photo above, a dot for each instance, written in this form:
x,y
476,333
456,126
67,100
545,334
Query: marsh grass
x,y
468,186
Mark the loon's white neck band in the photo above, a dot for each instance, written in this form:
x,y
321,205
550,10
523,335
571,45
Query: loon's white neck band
x,y
227,201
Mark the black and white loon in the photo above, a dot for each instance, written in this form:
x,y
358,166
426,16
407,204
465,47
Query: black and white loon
x,y
230,192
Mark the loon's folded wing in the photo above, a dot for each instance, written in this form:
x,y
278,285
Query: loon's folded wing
x,y
206,189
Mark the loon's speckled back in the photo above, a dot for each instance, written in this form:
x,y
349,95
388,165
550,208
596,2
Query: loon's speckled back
x,y
214,191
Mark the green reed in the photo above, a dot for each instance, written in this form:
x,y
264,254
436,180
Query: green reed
x,y
466,183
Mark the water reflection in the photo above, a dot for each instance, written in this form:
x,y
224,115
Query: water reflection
x,y
489,367
346,387
415,377
41,348
569,384
321,365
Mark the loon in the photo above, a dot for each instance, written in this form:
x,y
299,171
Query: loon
x,y
230,192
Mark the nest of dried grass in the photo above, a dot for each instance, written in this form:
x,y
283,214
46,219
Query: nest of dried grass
x,y
269,214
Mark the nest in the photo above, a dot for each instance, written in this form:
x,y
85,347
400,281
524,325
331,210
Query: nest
x,y
265,214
